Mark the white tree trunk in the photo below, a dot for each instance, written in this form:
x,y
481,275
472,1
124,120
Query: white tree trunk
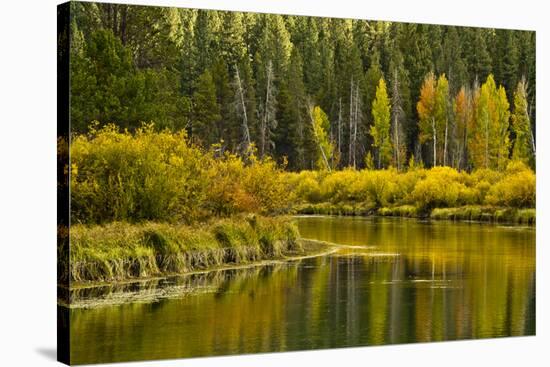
x,y
435,142
246,131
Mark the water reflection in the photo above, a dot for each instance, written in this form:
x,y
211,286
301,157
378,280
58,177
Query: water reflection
x,y
428,282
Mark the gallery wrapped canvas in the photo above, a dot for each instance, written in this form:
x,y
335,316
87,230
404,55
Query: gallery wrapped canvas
x,y
233,182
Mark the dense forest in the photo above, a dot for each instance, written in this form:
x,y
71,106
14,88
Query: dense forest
x,y
312,93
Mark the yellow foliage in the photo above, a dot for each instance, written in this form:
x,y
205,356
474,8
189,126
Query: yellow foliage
x,y
517,188
152,175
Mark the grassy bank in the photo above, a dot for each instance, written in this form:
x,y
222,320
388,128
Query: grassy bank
x,y
487,214
120,251
467,213
476,213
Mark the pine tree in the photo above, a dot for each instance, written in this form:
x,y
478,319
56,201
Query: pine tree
x,y
206,111
228,127
293,137
453,63
479,59
380,130
305,38
232,46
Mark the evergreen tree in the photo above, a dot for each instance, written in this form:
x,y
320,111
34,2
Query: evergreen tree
x,y
293,137
510,63
380,130
228,128
131,64
479,59
453,64
206,111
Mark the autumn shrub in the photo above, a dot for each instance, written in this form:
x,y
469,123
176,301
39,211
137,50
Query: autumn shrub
x,y
376,187
337,186
442,187
151,175
516,189
267,184
226,194
352,191
305,186
147,175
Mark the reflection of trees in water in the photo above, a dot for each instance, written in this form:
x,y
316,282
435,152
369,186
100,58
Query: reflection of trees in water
x,y
446,283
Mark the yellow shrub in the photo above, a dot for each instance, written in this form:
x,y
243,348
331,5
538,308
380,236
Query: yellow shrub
x,y
516,189
336,186
443,187
142,176
305,186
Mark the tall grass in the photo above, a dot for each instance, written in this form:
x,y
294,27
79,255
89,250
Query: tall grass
x,y
119,250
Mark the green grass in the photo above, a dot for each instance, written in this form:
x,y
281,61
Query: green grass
x,y
487,214
468,213
334,209
400,211
121,251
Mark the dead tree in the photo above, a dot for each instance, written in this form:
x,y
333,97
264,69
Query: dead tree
x,y
241,108
397,112
267,120
350,142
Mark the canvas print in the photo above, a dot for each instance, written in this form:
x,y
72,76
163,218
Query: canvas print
x,y
233,182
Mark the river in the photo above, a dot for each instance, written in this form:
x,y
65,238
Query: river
x,y
396,281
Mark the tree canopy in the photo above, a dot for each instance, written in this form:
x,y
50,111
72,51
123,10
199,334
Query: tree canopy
x,y
236,81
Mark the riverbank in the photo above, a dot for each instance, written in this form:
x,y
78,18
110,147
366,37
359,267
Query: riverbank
x,y
487,214
120,251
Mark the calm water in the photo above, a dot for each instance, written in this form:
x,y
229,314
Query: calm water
x,y
402,281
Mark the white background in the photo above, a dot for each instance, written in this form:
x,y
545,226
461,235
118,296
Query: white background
x,y
28,196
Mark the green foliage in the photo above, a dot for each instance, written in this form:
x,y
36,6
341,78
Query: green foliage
x,y
490,141
521,126
321,128
206,111
380,130
131,64
106,86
